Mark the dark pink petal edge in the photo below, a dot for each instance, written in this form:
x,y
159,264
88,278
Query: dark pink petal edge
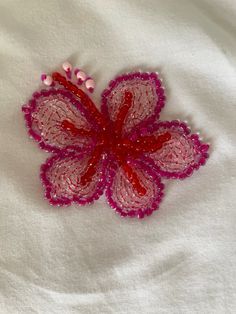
x,y
140,213
129,76
29,108
65,201
200,146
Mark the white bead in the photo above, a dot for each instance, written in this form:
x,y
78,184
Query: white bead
x,y
67,66
48,80
81,76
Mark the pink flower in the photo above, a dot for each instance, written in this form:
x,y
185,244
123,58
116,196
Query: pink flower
x,y
124,149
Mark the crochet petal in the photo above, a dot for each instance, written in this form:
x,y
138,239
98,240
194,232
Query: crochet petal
x,y
45,114
61,176
147,98
125,199
179,156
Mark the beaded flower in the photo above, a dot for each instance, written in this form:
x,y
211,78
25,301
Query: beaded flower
x,y
123,149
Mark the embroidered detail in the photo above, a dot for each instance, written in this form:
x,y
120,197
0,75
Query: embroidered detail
x,y
122,149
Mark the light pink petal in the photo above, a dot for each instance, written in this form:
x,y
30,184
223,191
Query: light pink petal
x,y
45,114
61,177
122,196
181,155
148,98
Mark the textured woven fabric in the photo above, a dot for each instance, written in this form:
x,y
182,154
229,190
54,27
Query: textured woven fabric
x,y
88,259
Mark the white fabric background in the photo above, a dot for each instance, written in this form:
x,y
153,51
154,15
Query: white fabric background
x,y
88,260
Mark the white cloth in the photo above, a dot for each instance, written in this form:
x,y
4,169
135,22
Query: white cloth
x,y
87,259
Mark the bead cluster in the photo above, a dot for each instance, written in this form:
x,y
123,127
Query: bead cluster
x,y
80,75
121,149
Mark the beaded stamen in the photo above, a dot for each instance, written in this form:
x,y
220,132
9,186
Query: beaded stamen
x,y
122,149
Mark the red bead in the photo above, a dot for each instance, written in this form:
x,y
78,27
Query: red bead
x,y
69,126
134,180
151,143
91,167
84,98
123,112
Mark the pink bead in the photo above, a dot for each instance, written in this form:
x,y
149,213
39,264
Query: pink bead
x,y
67,66
48,80
90,84
81,76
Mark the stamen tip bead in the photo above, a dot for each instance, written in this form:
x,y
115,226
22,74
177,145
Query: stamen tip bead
x,y
90,84
81,75
47,80
66,66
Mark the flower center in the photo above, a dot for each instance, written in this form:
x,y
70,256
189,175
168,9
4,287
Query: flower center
x,y
110,140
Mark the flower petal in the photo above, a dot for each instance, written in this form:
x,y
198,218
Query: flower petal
x,y
147,98
124,198
61,176
45,114
179,156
